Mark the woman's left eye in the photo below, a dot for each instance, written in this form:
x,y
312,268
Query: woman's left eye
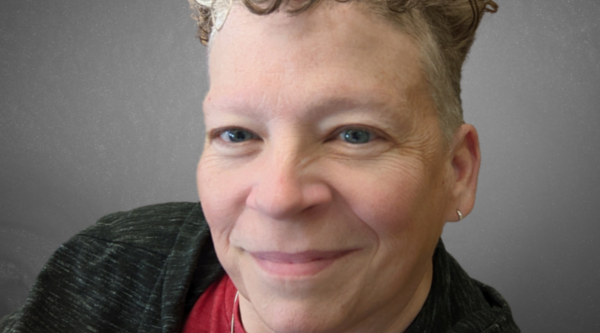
x,y
236,135
356,135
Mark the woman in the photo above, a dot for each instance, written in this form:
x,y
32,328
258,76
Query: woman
x,y
335,154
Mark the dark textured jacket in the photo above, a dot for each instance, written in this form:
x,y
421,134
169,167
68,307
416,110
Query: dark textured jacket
x,y
143,270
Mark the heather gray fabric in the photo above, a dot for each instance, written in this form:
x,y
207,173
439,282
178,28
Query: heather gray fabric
x,y
143,270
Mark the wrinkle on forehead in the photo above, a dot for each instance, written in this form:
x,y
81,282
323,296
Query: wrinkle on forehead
x,y
320,106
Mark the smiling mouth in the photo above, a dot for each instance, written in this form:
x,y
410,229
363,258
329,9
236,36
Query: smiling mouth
x,y
306,263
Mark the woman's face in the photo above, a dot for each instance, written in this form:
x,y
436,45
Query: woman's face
x,y
324,179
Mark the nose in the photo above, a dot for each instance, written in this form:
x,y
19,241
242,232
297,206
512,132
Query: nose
x,y
286,187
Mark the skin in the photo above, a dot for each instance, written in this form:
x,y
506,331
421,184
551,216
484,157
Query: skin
x,y
291,85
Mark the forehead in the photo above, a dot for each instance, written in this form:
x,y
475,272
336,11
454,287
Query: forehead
x,y
334,51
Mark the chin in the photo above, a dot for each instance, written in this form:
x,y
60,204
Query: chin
x,y
303,320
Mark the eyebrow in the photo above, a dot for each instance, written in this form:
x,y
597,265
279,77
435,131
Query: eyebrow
x,y
358,102
320,106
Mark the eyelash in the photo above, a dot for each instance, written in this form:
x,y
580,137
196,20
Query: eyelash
x,y
373,134
217,133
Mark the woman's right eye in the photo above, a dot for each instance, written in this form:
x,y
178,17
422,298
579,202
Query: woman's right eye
x,y
236,135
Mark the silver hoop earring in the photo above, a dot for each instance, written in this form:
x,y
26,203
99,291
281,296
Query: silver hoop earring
x,y
460,216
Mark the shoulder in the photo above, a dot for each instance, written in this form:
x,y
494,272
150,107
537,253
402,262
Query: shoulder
x,y
483,308
154,228
496,317
115,275
459,304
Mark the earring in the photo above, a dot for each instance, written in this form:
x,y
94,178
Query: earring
x,y
460,216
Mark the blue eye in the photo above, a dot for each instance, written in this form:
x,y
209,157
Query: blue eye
x,y
236,135
356,136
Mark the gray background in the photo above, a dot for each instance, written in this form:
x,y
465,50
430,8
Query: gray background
x,y
100,112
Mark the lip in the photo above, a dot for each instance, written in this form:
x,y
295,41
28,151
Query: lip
x,y
305,263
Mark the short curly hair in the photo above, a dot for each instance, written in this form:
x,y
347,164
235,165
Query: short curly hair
x,y
443,29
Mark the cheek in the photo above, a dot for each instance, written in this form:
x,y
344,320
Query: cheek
x,y
222,195
386,200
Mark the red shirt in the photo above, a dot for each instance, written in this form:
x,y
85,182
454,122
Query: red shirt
x,y
212,311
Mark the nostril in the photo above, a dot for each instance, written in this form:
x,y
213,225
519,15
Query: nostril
x,y
277,198
283,199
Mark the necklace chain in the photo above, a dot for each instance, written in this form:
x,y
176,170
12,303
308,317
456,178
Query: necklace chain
x,y
237,294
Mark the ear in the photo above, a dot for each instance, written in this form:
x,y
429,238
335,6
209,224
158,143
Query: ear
x,y
466,159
